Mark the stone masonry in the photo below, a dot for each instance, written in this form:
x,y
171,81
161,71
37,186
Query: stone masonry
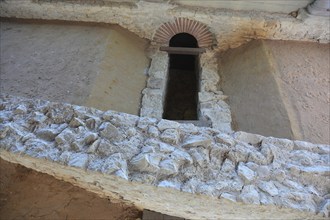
x,y
177,169
212,105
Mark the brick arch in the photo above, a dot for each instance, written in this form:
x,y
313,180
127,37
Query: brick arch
x,y
183,25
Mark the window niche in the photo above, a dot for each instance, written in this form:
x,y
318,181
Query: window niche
x,y
181,100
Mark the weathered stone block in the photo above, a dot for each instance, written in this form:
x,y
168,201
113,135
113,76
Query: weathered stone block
x,y
245,173
195,141
249,195
146,162
110,132
170,136
166,124
268,187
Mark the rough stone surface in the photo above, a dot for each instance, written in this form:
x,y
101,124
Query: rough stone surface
x,y
231,28
210,172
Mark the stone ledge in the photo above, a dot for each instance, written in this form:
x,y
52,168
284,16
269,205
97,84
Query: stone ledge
x,y
194,171
161,199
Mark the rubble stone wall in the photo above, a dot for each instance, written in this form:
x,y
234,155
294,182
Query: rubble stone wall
x,y
177,169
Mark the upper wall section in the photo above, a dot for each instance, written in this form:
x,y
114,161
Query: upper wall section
x,y
254,5
230,28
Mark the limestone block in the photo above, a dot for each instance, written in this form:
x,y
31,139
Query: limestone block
x,y
321,170
303,157
299,200
106,148
122,119
64,157
258,158
301,145
159,65
245,173
155,83
47,134
249,195
130,132
239,153
253,139
265,200
107,116
181,157
264,172
67,136
60,114
110,132
146,162
89,138
170,136
225,139
20,109
113,164
268,187
37,118
93,147
293,185
325,208
170,184
169,167
195,141
76,122
199,156
211,96
4,129
152,103
229,197
145,122
188,128
268,152
93,123
167,124
228,166
208,86
79,160
218,153
35,146
285,143
166,148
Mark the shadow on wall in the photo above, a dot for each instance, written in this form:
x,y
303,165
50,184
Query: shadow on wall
x,y
254,98
279,88
96,65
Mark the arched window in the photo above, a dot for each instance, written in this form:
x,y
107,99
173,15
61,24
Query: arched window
x,y
181,99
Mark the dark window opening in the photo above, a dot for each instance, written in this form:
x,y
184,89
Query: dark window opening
x,y
182,86
183,40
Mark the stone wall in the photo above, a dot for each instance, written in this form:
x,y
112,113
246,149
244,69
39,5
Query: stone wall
x,y
212,105
176,169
